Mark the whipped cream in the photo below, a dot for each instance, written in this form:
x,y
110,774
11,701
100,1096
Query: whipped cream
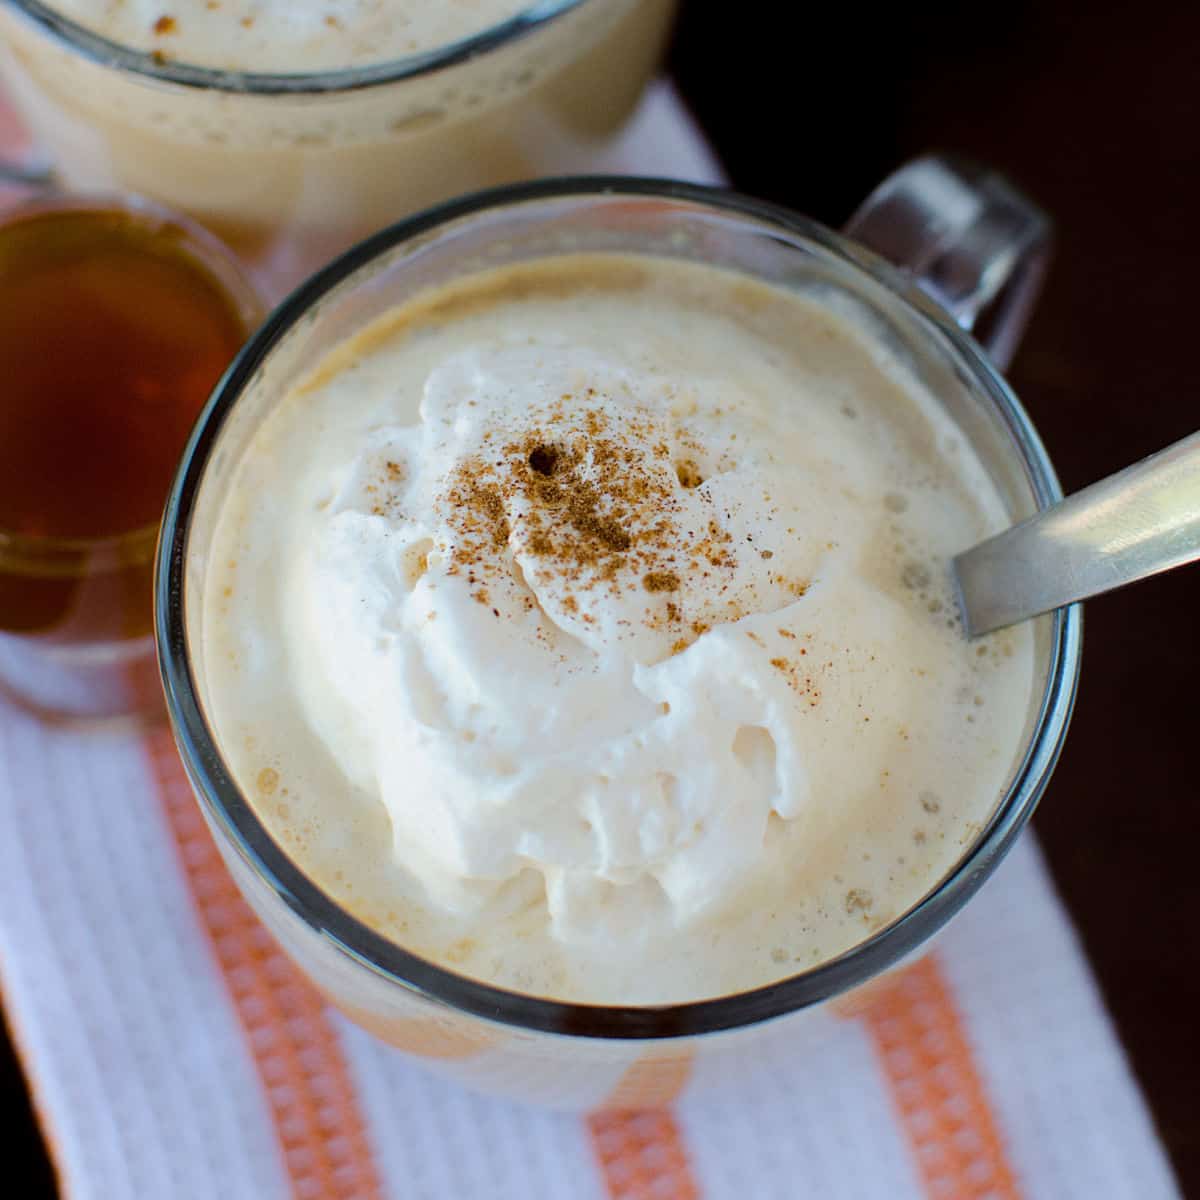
x,y
513,601
288,36
601,646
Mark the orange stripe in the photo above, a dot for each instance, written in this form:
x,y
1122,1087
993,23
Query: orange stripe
x,y
642,1156
304,1074
936,1087
651,1082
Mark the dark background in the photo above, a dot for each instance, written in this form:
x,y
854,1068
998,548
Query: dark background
x,y
1095,111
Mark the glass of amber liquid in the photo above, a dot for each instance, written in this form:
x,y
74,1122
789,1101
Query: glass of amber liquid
x,y
116,320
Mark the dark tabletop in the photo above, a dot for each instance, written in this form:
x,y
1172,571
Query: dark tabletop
x,y
1095,111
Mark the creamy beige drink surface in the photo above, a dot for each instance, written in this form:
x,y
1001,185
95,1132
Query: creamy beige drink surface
x,y
585,627
290,180
287,35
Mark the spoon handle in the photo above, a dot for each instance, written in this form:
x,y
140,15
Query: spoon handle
x,y
1141,521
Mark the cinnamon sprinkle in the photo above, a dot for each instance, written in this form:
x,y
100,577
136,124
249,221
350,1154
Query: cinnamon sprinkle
x,y
590,502
661,581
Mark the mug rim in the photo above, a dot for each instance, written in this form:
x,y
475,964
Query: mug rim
x,y
226,806
211,256
146,63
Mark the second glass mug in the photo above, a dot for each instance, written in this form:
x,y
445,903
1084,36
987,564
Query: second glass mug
x,y
290,169
976,245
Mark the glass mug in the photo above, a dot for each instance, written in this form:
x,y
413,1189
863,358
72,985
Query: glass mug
x,y
978,246
290,169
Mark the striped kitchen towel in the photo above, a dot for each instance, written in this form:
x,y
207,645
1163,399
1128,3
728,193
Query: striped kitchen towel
x,y
175,1054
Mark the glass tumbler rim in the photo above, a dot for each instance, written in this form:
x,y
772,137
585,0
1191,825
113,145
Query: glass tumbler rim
x,y
228,808
147,64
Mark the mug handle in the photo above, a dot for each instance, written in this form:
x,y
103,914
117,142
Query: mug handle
x,y
968,238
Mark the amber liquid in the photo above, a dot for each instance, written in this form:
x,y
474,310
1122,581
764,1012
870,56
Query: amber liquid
x,y
111,337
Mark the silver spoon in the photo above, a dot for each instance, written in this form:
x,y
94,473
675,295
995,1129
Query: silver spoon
x,y
1134,524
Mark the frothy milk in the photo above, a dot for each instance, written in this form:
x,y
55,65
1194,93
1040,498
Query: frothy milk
x,y
585,626
289,36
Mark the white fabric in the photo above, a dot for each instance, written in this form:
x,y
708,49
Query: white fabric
x,y
442,1140
1058,1079
108,979
146,1080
